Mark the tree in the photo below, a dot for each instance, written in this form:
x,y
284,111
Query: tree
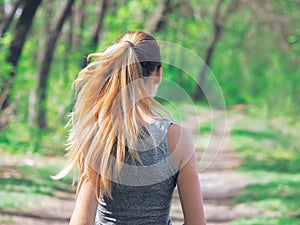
x,y
79,19
15,48
46,59
155,23
47,9
218,25
97,29
2,13
7,21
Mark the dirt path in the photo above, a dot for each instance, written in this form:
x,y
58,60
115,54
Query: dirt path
x,y
50,210
220,183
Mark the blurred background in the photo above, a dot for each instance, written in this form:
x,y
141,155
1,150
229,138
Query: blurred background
x,y
252,47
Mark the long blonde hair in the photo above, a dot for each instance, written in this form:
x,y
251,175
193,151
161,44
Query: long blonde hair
x,y
110,103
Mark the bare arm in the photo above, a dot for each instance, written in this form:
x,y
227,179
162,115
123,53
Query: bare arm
x,y
190,194
181,144
86,206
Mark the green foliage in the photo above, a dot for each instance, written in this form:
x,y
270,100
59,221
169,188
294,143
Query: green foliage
x,y
17,141
256,59
255,67
5,68
20,139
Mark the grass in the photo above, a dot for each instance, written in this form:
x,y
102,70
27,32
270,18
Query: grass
x,y
24,185
206,127
6,219
266,221
272,161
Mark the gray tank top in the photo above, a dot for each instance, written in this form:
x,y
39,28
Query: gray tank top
x,y
142,193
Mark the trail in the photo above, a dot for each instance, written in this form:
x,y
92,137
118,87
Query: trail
x,y
220,183
55,209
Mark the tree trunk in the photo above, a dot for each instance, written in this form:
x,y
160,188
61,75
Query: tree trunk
x,y
5,22
101,8
218,23
46,59
15,48
47,12
31,108
97,29
70,33
155,24
2,13
79,19
199,95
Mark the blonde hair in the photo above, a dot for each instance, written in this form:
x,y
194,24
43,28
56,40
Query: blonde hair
x,y
110,103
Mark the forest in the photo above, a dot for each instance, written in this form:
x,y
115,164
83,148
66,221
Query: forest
x,y
251,47
222,54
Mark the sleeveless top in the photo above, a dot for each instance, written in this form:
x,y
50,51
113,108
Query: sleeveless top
x,y
142,193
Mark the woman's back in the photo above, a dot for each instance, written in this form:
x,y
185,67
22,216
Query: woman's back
x,y
144,193
128,172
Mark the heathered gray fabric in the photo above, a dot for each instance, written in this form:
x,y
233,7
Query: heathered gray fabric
x,y
144,192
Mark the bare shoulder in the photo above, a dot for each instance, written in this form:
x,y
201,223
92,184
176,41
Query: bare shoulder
x,y
181,147
177,135
180,144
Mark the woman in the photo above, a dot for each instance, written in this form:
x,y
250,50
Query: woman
x,y
130,159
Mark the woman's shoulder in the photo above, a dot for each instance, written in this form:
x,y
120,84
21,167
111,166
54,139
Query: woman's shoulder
x,y
180,144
